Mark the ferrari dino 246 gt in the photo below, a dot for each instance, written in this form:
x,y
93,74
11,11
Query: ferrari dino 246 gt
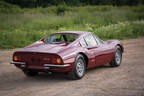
x,y
71,52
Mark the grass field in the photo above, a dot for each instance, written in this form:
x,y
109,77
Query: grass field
x,y
20,27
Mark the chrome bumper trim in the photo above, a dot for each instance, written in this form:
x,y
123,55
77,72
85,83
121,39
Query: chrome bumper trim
x,y
58,66
45,65
20,63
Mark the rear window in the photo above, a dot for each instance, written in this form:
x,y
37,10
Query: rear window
x,y
60,38
90,40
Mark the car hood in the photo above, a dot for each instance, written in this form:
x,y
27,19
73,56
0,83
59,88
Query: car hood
x,y
44,48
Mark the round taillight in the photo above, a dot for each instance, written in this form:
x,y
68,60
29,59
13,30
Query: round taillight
x,y
58,60
15,58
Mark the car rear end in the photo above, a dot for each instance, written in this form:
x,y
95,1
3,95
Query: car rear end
x,y
39,61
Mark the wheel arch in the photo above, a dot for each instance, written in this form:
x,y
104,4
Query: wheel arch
x,y
85,56
122,49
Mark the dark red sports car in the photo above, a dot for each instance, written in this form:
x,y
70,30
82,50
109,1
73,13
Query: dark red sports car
x,y
71,52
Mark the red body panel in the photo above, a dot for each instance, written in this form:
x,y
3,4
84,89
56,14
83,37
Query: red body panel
x,y
36,54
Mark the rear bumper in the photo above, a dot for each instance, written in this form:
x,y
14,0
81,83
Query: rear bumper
x,y
22,64
46,66
19,63
57,66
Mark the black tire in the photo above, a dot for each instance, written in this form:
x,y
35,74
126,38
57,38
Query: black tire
x,y
30,73
78,66
118,54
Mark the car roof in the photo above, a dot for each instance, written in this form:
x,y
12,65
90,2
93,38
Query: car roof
x,y
74,32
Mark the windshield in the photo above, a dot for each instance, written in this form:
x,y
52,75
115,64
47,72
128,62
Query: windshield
x,y
60,38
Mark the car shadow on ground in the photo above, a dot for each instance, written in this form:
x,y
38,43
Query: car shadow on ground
x,y
63,76
19,79
105,66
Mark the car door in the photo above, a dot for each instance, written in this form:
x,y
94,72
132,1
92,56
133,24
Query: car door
x,y
103,53
90,48
95,48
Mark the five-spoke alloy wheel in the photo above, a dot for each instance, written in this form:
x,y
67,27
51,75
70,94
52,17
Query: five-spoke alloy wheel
x,y
116,61
78,69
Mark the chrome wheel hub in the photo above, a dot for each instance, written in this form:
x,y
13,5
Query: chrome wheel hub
x,y
80,68
118,57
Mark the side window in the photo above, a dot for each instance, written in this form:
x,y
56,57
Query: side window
x,y
99,41
90,40
83,43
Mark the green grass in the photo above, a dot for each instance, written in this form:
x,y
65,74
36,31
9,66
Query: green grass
x,y
20,27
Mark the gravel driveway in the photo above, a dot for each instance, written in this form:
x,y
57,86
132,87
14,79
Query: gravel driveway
x,y
126,80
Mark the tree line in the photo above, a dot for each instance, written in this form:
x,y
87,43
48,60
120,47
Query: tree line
x,y
45,3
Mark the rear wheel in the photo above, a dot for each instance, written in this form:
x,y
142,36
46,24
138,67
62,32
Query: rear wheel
x,y
116,61
78,69
30,73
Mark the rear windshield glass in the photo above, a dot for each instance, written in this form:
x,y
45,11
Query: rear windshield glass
x,y
60,38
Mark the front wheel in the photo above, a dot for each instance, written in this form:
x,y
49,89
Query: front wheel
x,y
116,61
78,69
